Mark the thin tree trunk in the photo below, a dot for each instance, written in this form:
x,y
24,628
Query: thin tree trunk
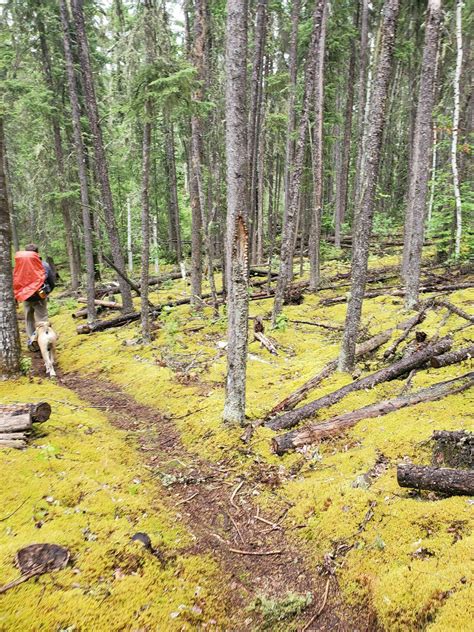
x,y
129,235
365,210
58,150
100,158
9,336
146,150
87,216
173,206
156,259
433,173
454,144
342,182
317,160
421,152
6,166
237,210
286,252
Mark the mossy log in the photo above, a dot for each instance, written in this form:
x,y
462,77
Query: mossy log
x,y
102,303
443,480
336,425
370,345
453,449
39,412
454,309
403,366
453,357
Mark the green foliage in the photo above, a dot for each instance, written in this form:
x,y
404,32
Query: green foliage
x,y
275,611
25,364
281,322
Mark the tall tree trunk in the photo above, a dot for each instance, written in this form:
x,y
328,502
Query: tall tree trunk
x,y
317,160
129,235
87,216
9,336
6,167
100,158
58,150
237,210
146,151
343,175
421,154
255,120
286,252
293,69
454,144
174,228
364,211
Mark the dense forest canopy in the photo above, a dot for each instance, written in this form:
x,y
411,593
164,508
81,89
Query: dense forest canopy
x,y
34,99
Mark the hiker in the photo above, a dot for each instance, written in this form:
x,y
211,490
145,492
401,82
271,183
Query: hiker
x,y
33,280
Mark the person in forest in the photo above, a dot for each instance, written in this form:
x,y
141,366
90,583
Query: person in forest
x,y
33,281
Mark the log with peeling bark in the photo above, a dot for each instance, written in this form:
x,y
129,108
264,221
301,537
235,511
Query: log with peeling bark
x,y
453,357
424,289
102,303
454,309
15,423
442,480
405,365
453,448
363,349
38,412
334,426
17,444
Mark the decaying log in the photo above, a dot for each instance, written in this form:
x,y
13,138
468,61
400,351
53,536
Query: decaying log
x,y
454,309
82,313
102,303
453,449
394,346
13,436
16,444
259,334
443,480
39,412
15,423
403,366
369,346
335,425
453,357
424,289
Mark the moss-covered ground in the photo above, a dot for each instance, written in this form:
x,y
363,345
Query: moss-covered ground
x,y
409,557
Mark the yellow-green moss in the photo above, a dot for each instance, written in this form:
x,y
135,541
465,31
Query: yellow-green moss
x,y
383,567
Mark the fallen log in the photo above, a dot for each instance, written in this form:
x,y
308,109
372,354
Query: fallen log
x,y
453,357
16,444
369,346
403,366
424,289
394,346
82,313
443,480
102,303
15,423
335,425
39,412
454,309
453,449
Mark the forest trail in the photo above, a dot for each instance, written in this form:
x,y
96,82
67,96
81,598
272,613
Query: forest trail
x,y
218,508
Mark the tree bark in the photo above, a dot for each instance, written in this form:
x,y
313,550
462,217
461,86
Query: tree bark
x,y
421,153
342,182
237,210
317,159
365,210
11,422
442,480
174,227
98,144
454,144
286,251
403,366
335,425
9,335
453,449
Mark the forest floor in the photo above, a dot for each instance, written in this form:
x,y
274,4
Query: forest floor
x,y
243,539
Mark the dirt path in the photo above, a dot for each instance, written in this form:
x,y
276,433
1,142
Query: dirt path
x,y
218,508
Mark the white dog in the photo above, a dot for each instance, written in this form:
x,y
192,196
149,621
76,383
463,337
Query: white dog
x,y
46,338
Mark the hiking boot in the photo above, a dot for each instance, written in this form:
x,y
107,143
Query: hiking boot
x,y
33,346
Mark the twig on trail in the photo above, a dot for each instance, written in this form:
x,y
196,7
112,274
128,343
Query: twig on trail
x,y
236,528
15,510
274,525
186,500
407,385
320,611
191,412
234,493
277,552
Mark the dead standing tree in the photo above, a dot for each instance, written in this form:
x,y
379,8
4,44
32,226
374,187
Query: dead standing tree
x,y
9,337
101,166
237,211
364,210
